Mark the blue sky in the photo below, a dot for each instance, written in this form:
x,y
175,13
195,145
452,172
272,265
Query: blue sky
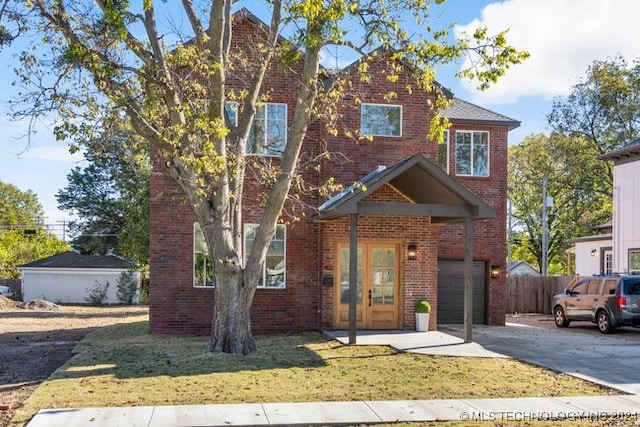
x,y
563,37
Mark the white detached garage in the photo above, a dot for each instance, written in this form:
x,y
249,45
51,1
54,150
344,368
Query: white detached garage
x,y
70,277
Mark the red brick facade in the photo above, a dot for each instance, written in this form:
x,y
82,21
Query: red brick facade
x,y
308,300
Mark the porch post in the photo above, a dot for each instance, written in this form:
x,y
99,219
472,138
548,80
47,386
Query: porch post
x,y
468,279
353,276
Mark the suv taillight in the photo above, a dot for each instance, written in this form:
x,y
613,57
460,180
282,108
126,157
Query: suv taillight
x,y
622,303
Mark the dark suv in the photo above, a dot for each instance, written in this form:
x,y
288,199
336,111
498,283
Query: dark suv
x,y
609,301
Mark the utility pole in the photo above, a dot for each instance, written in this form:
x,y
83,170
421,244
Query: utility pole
x,y
547,201
545,244
509,238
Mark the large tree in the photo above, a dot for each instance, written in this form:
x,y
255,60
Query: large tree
x,y
577,182
603,107
109,58
110,197
23,236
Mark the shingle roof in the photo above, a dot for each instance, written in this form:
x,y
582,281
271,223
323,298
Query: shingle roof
x,y
629,151
422,183
73,259
460,111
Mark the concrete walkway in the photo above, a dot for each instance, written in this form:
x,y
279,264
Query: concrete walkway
x,y
536,345
593,408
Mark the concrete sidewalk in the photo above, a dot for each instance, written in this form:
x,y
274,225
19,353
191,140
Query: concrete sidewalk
x,y
593,408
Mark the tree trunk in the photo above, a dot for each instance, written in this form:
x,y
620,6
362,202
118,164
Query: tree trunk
x,y
231,328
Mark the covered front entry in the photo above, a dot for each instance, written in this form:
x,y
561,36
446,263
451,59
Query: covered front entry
x,y
427,191
378,286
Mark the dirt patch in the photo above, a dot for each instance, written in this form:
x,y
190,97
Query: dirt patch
x,y
38,339
38,304
6,303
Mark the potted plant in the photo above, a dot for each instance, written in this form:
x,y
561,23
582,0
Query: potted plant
x,y
422,309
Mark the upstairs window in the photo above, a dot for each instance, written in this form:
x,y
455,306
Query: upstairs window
x,y
231,110
274,267
380,120
443,152
268,134
472,153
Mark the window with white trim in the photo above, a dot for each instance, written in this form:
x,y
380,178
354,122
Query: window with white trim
x,y
634,261
443,152
231,110
380,120
274,267
268,134
472,153
202,271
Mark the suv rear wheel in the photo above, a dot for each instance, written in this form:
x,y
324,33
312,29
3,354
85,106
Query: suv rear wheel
x,y
604,322
560,318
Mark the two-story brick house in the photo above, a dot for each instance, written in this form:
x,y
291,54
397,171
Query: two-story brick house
x,y
412,202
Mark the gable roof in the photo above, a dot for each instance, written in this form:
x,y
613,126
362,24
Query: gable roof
x,y
430,191
513,265
627,153
72,259
383,50
460,111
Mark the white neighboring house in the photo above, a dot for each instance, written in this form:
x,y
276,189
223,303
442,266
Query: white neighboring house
x,y
594,254
626,205
522,268
69,277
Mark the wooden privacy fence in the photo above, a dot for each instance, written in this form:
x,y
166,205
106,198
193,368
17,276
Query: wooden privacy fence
x,y
533,294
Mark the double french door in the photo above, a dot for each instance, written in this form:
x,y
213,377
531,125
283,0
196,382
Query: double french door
x,y
378,286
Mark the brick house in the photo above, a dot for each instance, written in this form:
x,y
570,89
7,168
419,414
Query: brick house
x,y
413,205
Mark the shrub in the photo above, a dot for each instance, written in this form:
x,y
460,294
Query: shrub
x,y
127,287
97,294
422,307
144,296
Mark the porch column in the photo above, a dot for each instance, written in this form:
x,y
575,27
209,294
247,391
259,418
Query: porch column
x,y
468,279
353,276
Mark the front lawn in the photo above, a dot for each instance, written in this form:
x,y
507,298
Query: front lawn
x,y
122,365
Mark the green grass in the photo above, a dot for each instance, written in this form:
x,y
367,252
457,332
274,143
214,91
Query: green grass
x,y
122,365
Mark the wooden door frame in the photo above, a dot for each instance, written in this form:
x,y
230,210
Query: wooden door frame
x,y
367,247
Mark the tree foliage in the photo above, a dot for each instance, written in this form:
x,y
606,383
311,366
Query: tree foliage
x,y
602,107
110,197
105,59
23,238
577,181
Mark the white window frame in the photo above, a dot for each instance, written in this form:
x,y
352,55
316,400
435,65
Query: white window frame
x,y
197,242
232,107
633,269
444,145
362,121
266,150
265,271
472,166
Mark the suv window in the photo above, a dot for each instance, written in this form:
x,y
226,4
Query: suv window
x,y
631,286
610,287
594,287
580,288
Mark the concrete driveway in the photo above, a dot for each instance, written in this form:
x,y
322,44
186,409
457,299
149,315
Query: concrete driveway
x,y
580,350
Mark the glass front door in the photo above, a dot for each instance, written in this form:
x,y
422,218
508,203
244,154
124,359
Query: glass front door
x,y
377,286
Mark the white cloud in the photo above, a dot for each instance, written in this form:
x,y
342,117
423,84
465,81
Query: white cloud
x,y
563,36
58,154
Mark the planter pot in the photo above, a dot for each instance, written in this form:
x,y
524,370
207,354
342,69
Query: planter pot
x,y
422,322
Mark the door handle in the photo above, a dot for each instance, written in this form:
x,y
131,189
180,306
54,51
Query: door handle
x,y
369,297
